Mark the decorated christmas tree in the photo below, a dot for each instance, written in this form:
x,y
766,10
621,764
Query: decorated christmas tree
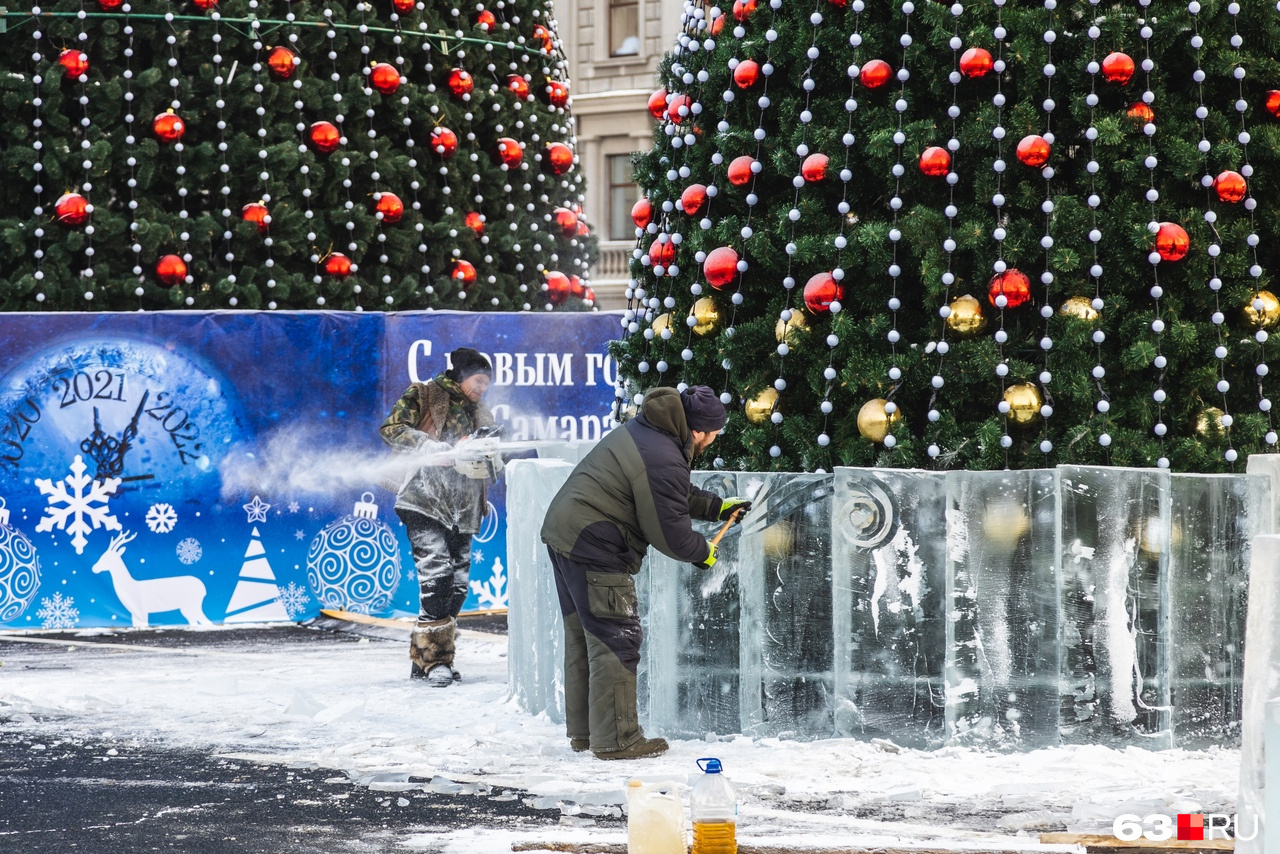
x,y
979,234
337,154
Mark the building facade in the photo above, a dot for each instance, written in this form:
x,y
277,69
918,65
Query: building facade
x,y
613,48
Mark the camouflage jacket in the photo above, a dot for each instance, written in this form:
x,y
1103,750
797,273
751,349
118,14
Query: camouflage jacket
x,y
430,418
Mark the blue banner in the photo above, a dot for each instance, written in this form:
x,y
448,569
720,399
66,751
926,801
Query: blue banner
x,y
190,468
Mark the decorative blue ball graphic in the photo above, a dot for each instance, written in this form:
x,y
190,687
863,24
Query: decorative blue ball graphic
x,y
19,570
354,563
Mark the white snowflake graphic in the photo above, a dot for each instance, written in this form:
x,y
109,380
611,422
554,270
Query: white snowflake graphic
x,y
492,594
294,599
297,535
79,504
189,550
293,506
161,518
257,509
477,556
58,613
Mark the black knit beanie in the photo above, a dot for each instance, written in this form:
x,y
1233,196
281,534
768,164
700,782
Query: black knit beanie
x,y
466,362
703,410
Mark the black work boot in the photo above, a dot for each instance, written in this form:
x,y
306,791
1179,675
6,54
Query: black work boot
x,y
642,749
580,745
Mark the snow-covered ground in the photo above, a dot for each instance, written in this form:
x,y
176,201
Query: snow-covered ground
x,y
350,706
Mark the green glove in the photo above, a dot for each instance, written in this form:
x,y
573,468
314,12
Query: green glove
x,y
711,558
731,505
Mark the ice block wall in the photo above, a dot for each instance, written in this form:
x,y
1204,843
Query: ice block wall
x,y
1004,609
1261,690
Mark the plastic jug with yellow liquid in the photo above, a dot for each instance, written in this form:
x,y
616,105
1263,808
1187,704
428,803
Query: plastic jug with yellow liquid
x,y
655,819
715,811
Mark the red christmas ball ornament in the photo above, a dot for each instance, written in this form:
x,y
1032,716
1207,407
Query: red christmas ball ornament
x,y
518,86
567,221
935,161
389,205
576,287
460,83
642,213
559,286
875,74
717,24
1272,103
1172,241
462,272
72,209
558,158
474,220
385,77
557,93
1230,186
975,62
74,63
679,102
1117,67
721,266
203,4
589,295
281,62
821,291
658,104
1142,112
814,167
444,142
404,7
662,252
693,199
542,36
325,137
109,5
743,9
486,20
168,127
337,264
740,171
171,270
839,4
507,150
256,213
583,230
1033,150
1013,284
747,74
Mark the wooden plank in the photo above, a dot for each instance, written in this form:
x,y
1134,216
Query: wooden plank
x,y
352,617
743,848
1099,840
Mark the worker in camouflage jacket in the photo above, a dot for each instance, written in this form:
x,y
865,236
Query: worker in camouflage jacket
x,y
440,497
632,490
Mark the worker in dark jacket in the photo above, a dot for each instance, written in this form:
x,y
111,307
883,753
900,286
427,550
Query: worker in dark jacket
x,y
632,490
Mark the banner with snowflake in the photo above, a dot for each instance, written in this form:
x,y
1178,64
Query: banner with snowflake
x,y
197,468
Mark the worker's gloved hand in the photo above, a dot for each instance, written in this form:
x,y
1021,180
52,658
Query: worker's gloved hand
x,y
478,459
731,505
711,558
475,469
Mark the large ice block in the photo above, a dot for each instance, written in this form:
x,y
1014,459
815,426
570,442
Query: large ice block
x,y
1002,626
1261,689
888,559
1268,466
535,657
1214,519
1116,534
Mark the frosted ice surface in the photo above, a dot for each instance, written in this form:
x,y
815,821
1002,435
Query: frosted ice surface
x,y
888,552
1261,689
1002,625
1268,465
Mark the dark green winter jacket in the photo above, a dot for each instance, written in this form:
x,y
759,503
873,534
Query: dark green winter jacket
x,y
632,490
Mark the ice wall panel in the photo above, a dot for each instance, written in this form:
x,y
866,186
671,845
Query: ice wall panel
x,y
1003,626
1268,466
1261,688
1214,519
888,553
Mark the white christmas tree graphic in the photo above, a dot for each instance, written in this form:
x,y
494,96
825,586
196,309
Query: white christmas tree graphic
x,y
79,505
492,593
256,598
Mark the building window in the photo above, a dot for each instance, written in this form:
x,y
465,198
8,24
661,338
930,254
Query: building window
x,y
624,27
622,197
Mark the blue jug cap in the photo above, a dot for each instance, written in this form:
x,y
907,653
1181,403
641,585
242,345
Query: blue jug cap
x,y
712,766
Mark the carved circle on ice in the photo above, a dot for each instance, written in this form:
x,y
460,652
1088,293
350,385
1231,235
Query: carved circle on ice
x,y
354,563
488,525
19,570
870,514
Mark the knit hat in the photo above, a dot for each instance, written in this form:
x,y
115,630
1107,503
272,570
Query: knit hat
x,y
703,410
466,362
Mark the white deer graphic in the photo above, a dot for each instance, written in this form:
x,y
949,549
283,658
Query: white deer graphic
x,y
142,597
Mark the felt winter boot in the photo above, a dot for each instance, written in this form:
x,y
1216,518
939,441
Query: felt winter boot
x,y
431,649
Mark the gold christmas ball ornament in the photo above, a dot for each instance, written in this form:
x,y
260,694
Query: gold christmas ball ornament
x,y
1004,521
707,315
874,422
788,329
760,407
1262,311
1024,403
1209,423
966,318
660,324
1080,308
852,218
